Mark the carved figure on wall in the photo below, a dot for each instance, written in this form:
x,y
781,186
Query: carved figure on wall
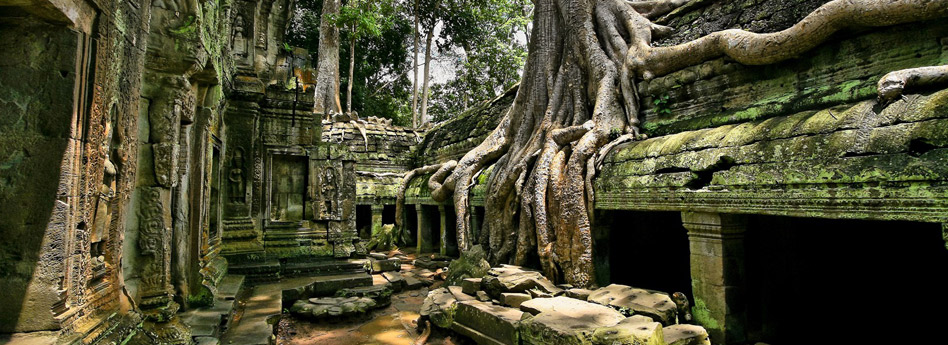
x,y
236,178
103,213
240,37
328,191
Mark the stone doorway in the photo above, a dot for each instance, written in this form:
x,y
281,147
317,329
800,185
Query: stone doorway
x,y
288,189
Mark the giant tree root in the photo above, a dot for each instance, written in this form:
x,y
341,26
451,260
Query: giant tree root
x,y
578,87
894,83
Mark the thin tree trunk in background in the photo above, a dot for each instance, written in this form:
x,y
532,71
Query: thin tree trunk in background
x,y
424,92
414,76
327,79
352,47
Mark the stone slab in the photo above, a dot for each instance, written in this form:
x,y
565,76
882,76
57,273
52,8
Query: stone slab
x,y
580,294
637,329
563,320
439,307
686,335
654,304
499,323
398,282
230,286
513,299
510,278
470,286
460,295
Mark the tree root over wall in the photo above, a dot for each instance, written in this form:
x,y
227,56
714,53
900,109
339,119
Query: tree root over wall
x,y
578,94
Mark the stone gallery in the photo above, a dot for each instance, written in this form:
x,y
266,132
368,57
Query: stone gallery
x,y
667,172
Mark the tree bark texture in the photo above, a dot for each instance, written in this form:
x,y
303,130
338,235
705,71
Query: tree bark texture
x,y
327,78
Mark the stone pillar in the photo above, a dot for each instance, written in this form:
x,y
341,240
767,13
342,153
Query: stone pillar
x,y
376,219
424,230
476,222
442,232
717,273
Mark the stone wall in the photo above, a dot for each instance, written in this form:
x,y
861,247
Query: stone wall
x,y
382,153
69,93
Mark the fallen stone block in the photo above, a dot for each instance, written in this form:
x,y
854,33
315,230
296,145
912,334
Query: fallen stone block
x,y
460,295
398,282
439,307
412,283
482,296
510,278
499,324
686,335
637,329
378,256
513,299
385,265
470,286
654,304
580,294
563,320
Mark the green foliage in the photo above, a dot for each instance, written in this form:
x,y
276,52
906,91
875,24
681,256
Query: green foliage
x,y
382,87
661,105
485,39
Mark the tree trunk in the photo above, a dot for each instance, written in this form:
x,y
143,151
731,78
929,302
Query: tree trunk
x,y
414,75
352,55
579,86
427,77
326,100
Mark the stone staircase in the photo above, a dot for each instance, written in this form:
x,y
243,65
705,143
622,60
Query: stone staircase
x,y
208,323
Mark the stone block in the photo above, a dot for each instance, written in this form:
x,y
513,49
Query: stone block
x,y
563,320
470,286
509,278
686,335
378,256
580,294
387,265
482,296
460,295
637,329
513,299
654,304
501,324
439,307
398,282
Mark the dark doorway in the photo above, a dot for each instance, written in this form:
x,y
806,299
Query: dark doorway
x,y
411,224
388,214
884,280
364,221
649,250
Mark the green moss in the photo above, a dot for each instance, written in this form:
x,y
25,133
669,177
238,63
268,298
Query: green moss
x,y
702,315
204,298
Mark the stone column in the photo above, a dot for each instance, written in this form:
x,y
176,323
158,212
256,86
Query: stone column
x,y
442,233
376,219
476,222
717,273
424,230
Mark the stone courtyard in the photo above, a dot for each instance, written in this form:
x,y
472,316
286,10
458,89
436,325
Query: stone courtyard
x,y
164,179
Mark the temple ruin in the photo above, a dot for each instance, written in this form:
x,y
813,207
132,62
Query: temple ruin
x,y
164,180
